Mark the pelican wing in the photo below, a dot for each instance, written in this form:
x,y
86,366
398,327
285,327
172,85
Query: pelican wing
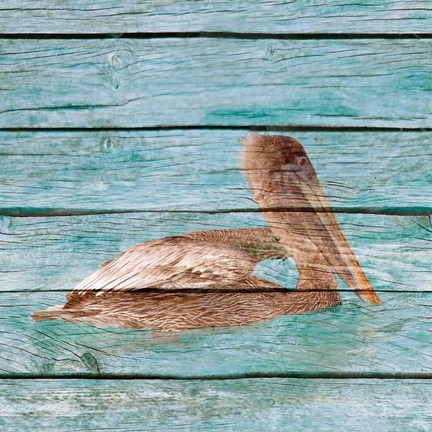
x,y
173,262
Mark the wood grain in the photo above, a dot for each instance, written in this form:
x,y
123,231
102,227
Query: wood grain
x,y
260,16
300,65
199,170
58,252
241,405
353,338
211,81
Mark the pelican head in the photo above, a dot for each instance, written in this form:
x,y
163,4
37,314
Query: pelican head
x,y
286,188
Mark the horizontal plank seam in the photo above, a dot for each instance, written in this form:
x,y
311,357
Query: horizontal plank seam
x,y
257,128
225,377
218,35
64,212
216,290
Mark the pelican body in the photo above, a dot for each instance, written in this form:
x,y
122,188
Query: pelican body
x,y
205,278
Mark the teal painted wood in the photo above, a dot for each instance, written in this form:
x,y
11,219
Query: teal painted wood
x,y
354,338
49,253
199,170
269,16
241,405
211,81
324,405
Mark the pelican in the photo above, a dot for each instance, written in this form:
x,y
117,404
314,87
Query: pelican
x,y
205,278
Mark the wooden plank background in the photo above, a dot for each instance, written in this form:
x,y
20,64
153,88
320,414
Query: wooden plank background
x,y
244,405
263,16
120,124
216,82
133,170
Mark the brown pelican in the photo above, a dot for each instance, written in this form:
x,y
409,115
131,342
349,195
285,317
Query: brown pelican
x,y
149,285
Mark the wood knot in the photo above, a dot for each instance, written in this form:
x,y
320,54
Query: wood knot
x,y
108,144
115,83
271,50
90,362
114,61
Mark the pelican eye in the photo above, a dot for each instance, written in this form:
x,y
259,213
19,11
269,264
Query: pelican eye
x,y
295,163
301,161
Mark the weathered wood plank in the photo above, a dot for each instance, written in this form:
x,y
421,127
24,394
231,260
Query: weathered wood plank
x,y
241,405
199,170
262,16
208,81
353,338
58,252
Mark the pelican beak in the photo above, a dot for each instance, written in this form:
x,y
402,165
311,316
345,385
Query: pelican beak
x,y
332,242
